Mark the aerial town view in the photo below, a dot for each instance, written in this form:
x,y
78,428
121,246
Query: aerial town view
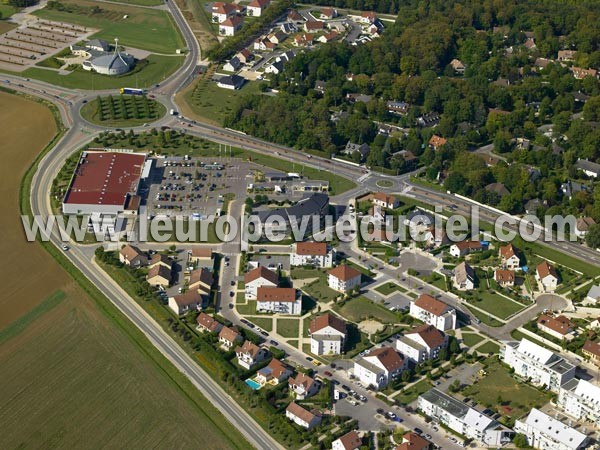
x,y
277,224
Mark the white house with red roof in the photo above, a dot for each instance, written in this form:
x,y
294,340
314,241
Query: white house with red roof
x,y
422,343
547,276
328,334
344,278
349,441
378,367
465,248
207,323
222,11
559,327
230,26
250,354
256,7
228,337
509,258
385,200
302,417
303,386
259,277
433,312
276,372
317,254
278,300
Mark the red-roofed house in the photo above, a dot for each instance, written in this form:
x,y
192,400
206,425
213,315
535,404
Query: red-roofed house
x,y
328,335
249,354
422,343
303,386
261,276
504,277
278,300
433,312
412,441
230,25
367,17
547,276
509,258
437,141
317,254
385,201
132,256
378,367
464,248
559,327
201,257
256,7
313,26
328,13
591,350
276,372
183,303
207,323
349,441
228,337
302,417
222,11
344,278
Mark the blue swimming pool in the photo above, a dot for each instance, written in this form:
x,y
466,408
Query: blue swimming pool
x,y
253,384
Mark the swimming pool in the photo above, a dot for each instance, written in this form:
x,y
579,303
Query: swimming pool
x,y
253,384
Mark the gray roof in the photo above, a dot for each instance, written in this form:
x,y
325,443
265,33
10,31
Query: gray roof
x,y
98,43
594,292
589,166
114,61
310,205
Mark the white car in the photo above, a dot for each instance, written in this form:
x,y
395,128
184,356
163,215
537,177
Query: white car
x,y
65,248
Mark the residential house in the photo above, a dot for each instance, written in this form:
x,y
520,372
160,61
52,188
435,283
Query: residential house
x,y
250,354
436,237
463,419
230,25
295,17
593,295
232,82
412,441
571,188
201,257
428,120
317,254
591,350
559,327
278,300
277,37
328,37
313,26
159,259
244,56
228,337
591,169
437,142
547,276
464,277
222,11
288,28
344,278
580,73
207,323
580,399
532,206
132,256
275,67
545,432
303,40
276,372
352,147
422,343
433,312
159,276
530,43
509,258
504,277
458,66
302,417
256,7
354,97
328,334
541,366
320,86
349,441
328,13
566,55
498,189
378,367
264,45
303,386
385,200
396,107
465,247
181,304
201,281
367,17
583,226
259,277
232,65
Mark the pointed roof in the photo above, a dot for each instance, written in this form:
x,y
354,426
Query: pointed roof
x,y
344,272
388,357
261,272
327,320
432,305
430,334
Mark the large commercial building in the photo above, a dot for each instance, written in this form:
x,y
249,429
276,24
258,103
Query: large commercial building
x,y
539,365
463,419
546,432
580,399
105,182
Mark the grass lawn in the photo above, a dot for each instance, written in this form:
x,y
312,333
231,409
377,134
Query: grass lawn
x,y
240,297
361,308
471,339
122,110
288,327
410,395
518,335
518,398
143,2
246,310
485,318
489,347
263,322
495,304
320,291
293,342
7,10
148,29
152,70
300,273
389,288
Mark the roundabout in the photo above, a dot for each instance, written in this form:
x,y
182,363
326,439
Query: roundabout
x,y
386,184
122,111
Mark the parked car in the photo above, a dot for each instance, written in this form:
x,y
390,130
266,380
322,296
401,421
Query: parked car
x,y
380,411
345,387
327,373
274,342
391,415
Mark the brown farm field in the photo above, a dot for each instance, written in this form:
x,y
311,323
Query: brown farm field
x,y
31,275
76,374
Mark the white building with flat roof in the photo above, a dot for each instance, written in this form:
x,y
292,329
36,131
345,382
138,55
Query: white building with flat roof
x,y
538,364
546,432
580,399
463,419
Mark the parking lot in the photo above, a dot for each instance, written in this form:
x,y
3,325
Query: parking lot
x,y
25,46
273,262
195,187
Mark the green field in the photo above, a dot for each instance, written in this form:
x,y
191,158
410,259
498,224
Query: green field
x,y
410,395
389,288
517,397
361,308
6,11
485,318
288,327
496,304
144,28
488,347
263,322
143,2
471,339
122,110
518,335
148,72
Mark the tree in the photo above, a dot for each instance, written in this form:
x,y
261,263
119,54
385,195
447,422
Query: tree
x,y
591,110
453,346
592,239
520,441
